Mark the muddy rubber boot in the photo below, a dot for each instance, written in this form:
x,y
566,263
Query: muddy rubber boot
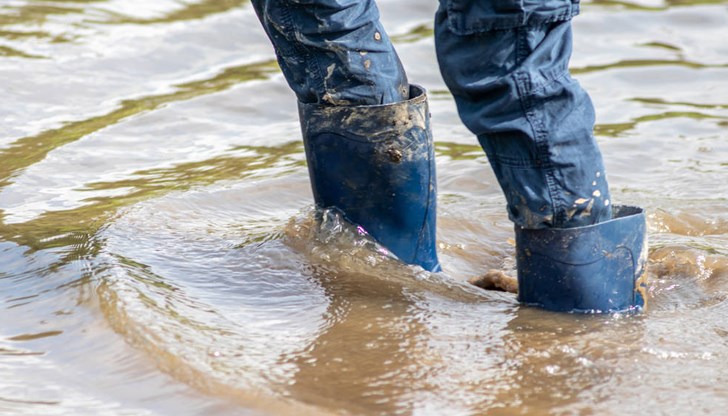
x,y
376,165
594,269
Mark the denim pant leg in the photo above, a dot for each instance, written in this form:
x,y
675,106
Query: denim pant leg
x,y
334,51
506,63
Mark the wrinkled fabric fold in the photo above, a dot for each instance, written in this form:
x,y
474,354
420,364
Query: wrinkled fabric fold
x,y
532,119
334,51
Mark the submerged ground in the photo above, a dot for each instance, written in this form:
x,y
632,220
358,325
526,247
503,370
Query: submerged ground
x,y
157,254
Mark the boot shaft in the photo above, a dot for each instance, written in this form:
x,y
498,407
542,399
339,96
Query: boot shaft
x,y
376,164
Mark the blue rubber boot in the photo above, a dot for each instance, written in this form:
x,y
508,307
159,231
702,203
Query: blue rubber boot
x,y
376,164
592,269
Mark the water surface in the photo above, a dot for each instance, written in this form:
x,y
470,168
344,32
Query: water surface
x,y
158,254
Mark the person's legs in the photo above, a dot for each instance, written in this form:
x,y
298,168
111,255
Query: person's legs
x,y
365,129
506,64
334,51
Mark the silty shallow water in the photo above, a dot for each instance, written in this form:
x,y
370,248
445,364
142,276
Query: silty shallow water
x,y
158,256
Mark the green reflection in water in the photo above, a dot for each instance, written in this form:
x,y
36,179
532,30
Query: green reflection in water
x,y
640,63
436,94
661,45
191,11
150,182
29,150
458,151
642,7
32,14
660,101
32,337
36,14
618,129
415,34
75,227
22,35
10,52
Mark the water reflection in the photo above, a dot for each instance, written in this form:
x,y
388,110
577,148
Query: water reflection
x,y
645,63
29,150
368,354
32,13
619,129
196,282
189,11
666,4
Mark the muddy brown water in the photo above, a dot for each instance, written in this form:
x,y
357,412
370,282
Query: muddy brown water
x,y
157,253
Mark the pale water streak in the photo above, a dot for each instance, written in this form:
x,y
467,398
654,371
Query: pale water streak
x,y
159,254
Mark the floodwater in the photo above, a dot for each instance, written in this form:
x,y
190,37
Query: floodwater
x,y
158,254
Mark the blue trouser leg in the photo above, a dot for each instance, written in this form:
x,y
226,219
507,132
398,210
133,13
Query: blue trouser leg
x,y
506,63
334,51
